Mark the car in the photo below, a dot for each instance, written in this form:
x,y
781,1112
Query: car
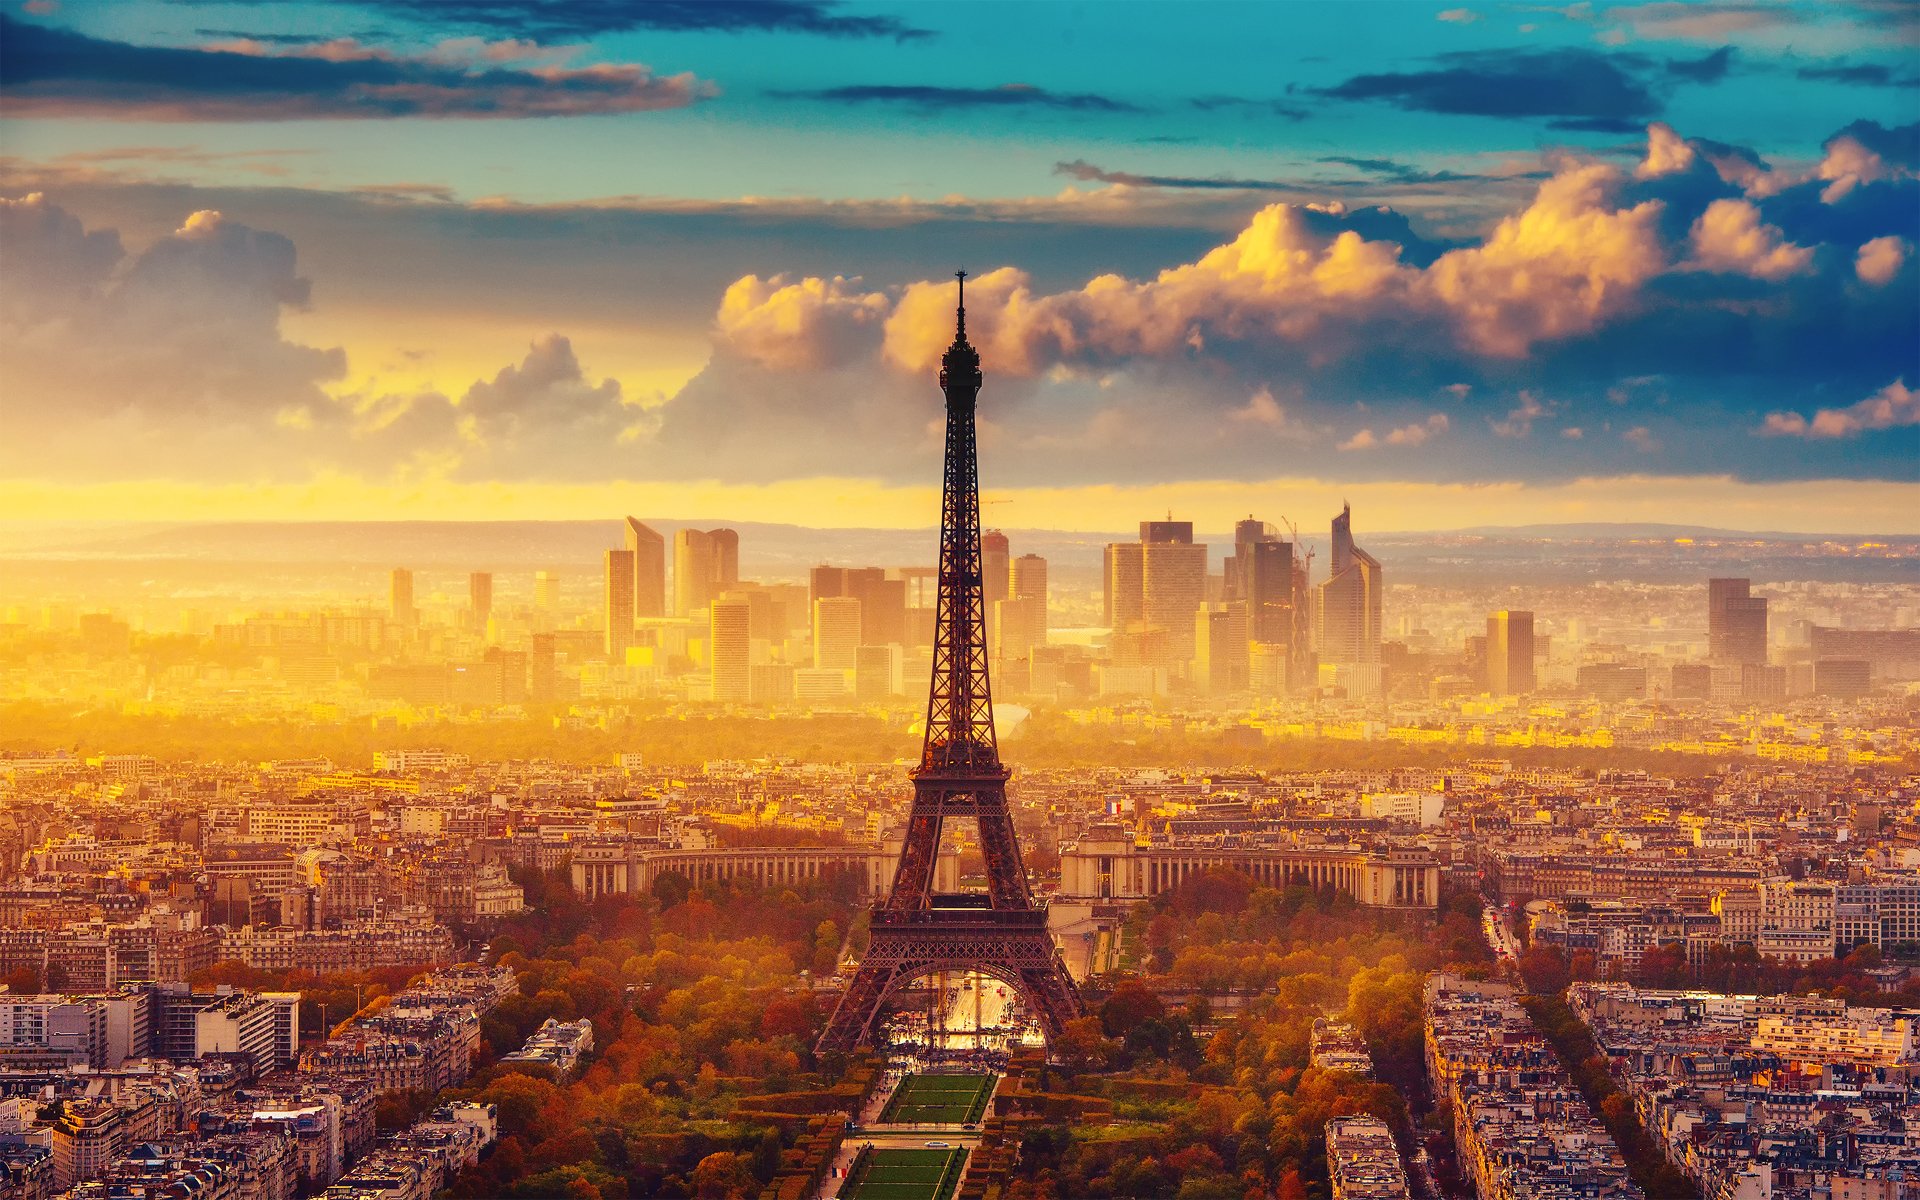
x,y
939,1146
970,1125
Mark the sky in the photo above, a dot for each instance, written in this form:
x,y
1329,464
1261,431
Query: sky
x,y
1458,266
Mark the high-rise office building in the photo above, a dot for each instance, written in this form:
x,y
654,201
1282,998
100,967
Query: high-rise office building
x,y
1266,574
730,649
619,607
1350,601
1157,584
1016,625
1028,581
1121,577
836,633
995,560
876,673
1220,649
1173,582
1736,622
649,550
543,669
400,598
705,563
1510,653
883,600
480,600
546,591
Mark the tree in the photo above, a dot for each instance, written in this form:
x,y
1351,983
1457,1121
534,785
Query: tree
x,y
1131,1004
722,1175
1084,1045
671,888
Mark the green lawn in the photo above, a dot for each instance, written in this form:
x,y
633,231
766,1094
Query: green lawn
x,y
906,1175
938,1100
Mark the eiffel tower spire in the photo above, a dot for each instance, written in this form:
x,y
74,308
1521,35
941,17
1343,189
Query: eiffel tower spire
x,y
959,731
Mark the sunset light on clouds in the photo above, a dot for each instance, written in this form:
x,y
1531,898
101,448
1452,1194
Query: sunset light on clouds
x,y
353,260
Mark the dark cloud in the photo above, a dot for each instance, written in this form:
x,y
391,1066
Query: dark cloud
x,y
932,98
558,20
1597,125
1529,83
1089,173
1710,69
1399,172
1900,144
1388,171
57,72
1862,74
1279,108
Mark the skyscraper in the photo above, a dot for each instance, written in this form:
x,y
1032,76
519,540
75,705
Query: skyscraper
x,y
1350,600
546,591
400,598
1173,582
1121,574
995,580
836,633
1510,653
1220,658
1154,587
729,649
883,601
480,600
649,569
705,563
1736,622
619,610
1028,582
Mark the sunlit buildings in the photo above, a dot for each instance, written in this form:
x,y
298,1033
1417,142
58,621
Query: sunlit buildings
x,y
1350,601
1264,574
1510,653
705,563
1736,623
995,567
480,600
1154,589
729,650
649,551
1362,1160
400,598
619,603
836,633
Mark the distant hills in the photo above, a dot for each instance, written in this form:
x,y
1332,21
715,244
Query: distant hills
x,y
1562,552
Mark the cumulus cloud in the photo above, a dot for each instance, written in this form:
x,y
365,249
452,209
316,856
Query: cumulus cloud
x,y
1196,349
807,324
1730,237
1880,259
1893,406
190,324
1416,433
1519,421
1568,263
52,72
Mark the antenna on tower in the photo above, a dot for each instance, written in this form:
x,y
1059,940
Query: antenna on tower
x,y
961,309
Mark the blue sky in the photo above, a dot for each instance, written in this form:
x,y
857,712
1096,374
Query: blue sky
x,y
526,260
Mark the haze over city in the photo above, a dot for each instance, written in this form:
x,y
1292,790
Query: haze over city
x,y
819,600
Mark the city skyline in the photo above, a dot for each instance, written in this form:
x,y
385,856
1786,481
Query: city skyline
x,y
1461,262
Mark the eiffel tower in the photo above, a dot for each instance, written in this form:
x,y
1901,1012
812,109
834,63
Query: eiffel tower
x,y
915,930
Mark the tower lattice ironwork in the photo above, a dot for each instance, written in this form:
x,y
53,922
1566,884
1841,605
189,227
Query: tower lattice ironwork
x,y
916,931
